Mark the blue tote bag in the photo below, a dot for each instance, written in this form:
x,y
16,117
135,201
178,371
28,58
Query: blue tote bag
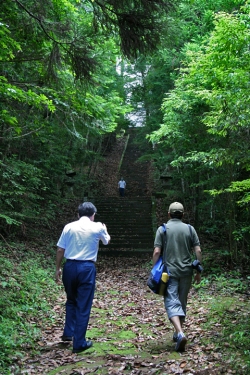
x,y
154,280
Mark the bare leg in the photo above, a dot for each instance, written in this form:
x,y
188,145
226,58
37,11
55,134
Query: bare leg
x,y
176,323
180,337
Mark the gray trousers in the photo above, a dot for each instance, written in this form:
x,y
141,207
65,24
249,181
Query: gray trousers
x,y
175,299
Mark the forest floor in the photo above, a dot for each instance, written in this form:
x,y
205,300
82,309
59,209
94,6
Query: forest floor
x,y
132,335
129,327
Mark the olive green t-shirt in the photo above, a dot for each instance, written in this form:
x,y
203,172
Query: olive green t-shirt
x,y
178,246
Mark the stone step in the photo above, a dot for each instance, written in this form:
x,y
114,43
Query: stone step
x,y
131,240
128,246
113,209
129,218
120,231
124,213
126,223
147,253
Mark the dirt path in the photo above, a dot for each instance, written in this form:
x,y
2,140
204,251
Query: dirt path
x,y
128,325
130,331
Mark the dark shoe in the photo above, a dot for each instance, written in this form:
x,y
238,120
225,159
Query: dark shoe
x,y
87,346
66,338
175,335
181,342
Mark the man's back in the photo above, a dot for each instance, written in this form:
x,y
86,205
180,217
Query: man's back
x,y
80,239
178,247
122,184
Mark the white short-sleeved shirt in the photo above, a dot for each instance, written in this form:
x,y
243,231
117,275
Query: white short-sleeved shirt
x,y
80,239
122,184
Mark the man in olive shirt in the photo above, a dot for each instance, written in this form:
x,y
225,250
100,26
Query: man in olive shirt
x,y
178,242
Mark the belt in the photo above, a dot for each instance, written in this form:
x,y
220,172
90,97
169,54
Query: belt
x,y
78,260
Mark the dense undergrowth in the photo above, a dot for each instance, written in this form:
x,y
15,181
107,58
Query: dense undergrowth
x,y
29,293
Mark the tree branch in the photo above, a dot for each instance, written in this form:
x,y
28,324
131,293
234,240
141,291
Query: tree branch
x,y
41,24
24,135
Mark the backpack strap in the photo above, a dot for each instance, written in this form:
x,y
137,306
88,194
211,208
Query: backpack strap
x,y
164,228
164,236
191,234
164,242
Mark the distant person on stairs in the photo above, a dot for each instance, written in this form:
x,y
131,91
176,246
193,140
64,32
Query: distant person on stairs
x,y
178,243
79,244
121,187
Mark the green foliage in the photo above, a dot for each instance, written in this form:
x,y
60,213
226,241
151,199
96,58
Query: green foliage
x,y
217,312
187,22
231,314
242,187
226,291
51,118
61,96
223,80
27,285
206,124
8,45
21,187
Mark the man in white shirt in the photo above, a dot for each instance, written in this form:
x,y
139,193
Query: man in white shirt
x,y
79,244
121,187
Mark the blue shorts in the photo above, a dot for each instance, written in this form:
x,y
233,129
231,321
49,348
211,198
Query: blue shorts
x,y
175,299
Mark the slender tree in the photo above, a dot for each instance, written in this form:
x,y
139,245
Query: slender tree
x,y
206,124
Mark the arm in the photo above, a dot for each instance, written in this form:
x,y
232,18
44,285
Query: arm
x,y
156,254
59,258
105,238
197,251
157,246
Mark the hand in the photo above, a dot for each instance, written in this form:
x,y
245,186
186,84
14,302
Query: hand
x,y
58,275
197,278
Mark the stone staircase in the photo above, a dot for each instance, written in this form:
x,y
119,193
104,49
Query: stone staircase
x,y
129,223
129,218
